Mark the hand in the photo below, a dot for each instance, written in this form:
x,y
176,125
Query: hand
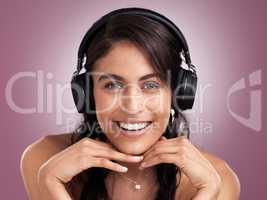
x,y
181,152
86,153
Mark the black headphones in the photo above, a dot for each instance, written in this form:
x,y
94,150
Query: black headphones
x,y
185,81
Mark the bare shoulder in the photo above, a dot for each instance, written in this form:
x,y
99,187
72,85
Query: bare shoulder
x,y
45,147
38,153
230,187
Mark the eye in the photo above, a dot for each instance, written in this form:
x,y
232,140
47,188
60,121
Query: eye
x,y
111,85
151,85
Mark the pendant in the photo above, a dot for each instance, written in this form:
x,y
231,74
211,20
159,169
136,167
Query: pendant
x,y
137,186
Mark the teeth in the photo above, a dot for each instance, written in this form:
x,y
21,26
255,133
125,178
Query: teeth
x,y
132,126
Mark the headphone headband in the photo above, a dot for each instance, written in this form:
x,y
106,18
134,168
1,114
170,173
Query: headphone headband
x,y
137,11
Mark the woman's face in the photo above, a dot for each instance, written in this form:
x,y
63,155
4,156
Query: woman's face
x,y
130,96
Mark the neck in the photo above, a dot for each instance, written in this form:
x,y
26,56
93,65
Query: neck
x,y
146,178
141,176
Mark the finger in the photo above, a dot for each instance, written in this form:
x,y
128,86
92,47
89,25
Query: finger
x,y
92,142
101,149
178,150
175,142
105,144
105,163
153,146
116,155
100,141
163,158
160,150
163,142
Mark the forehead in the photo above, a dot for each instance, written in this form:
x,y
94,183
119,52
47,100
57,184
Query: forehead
x,y
126,60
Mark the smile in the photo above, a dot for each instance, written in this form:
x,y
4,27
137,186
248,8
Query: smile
x,y
132,129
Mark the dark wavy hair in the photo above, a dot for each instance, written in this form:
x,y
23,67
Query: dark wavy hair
x,y
163,52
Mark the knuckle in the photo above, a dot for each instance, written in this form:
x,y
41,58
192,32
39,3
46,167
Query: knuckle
x,y
85,142
108,145
103,161
160,156
127,157
111,153
183,140
183,150
182,157
154,149
83,150
83,162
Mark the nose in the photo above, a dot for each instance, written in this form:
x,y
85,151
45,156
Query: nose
x,y
132,100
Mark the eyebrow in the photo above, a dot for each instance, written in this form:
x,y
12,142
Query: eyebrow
x,y
119,78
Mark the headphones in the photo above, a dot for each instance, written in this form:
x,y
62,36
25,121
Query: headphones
x,y
185,81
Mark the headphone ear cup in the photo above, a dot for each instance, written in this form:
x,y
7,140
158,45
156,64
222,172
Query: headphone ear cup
x,y
78,93
185,89
81,92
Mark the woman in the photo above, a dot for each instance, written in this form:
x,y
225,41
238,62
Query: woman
x,y
107,157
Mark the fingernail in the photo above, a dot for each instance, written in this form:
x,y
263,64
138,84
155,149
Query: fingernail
x,y
138,158
124,169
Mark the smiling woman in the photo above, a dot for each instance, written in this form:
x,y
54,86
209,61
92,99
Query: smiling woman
x,y
136,143
128,63
132,101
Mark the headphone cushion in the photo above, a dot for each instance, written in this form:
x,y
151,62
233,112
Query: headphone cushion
x,y
186,84
77,85
81,92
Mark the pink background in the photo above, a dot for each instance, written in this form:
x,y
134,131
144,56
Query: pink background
x,y
227,40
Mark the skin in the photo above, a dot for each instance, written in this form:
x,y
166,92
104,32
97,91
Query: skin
x,y
204,176
130,99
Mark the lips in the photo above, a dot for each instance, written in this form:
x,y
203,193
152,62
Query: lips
x,y
134,126
133,133
130,122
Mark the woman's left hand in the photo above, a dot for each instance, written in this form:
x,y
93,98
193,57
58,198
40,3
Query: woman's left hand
x,y
181,152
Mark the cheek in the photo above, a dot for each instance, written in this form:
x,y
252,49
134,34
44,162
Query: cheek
x,y
158,103
104,104
161,106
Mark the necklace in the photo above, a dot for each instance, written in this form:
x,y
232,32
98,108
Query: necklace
x,y
137,186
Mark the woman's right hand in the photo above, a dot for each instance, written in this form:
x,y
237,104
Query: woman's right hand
x,y
84,154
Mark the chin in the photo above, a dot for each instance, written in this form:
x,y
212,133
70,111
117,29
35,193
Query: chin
x,y
132,148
